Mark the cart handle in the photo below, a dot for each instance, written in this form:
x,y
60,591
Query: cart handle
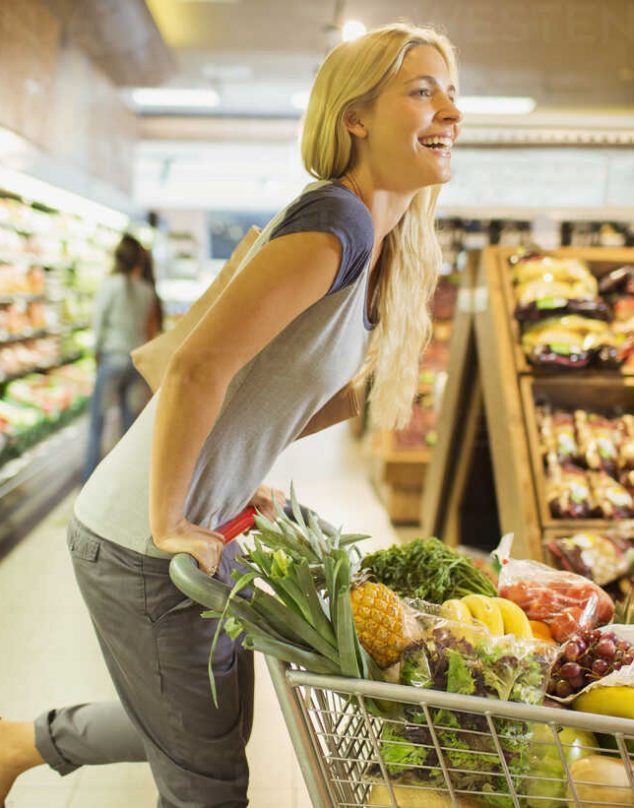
x,y
205,589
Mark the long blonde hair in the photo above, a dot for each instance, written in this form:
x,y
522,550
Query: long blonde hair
x,y
354,73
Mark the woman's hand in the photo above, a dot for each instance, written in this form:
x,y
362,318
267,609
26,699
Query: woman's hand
x,y
263,501
204,545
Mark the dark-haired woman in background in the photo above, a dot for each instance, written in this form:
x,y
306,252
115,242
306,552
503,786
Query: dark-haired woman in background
x,y
125,317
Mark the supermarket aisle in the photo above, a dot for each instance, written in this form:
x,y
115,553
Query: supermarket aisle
x,y
50,656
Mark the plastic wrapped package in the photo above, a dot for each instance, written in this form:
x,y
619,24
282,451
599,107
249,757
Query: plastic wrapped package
x,y
557,431
610,499
566,602
598,439
602,558
568,491
466,660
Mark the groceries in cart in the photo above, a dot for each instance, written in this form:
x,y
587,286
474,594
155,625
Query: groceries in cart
x,y
427,619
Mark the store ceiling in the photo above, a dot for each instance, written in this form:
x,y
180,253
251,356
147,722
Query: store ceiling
x,y
567,54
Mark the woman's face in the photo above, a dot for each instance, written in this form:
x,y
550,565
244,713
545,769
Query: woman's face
x,y
412,125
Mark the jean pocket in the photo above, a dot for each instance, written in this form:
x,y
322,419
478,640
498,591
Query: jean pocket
x,y
80,544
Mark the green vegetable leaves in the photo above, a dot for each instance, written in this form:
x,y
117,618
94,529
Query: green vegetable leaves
x,y
427,569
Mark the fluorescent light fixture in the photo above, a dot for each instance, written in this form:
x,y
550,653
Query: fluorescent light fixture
x,y
35,190
352,29
299,100
175,98
496,104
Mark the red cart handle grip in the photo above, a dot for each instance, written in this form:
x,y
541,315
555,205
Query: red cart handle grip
x,y
234,527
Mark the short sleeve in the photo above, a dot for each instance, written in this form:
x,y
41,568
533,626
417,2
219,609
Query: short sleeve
x,y
334,209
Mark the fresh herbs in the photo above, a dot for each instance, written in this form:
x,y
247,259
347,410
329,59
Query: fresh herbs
x,y
427,569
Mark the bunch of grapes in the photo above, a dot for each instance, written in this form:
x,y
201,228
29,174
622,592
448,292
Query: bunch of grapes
x,y
586,657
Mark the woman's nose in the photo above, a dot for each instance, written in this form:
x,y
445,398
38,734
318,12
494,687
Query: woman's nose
x,y
450,112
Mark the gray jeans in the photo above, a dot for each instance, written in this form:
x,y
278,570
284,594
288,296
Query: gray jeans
x,y
156,647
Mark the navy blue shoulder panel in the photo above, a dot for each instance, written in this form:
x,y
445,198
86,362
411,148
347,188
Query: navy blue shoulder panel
x,y
334,209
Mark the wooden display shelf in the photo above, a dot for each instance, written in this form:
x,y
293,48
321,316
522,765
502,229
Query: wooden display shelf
x,y
595,393
489,375
398,476
384,448
600,261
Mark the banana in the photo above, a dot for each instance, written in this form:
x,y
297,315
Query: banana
x,y
514,619
456,610
617,701
486,611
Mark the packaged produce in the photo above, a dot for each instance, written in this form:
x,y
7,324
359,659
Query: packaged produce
x,y
597,439
618,282
610,499
546,286
546,787
602,558
600,781
557,432
482,665
625,427
427,569
568,491
588,658
571,342
563,600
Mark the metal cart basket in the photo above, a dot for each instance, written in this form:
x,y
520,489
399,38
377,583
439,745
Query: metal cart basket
x,y
346,750
362,743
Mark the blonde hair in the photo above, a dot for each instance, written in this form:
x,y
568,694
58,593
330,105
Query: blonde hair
x,y
354,74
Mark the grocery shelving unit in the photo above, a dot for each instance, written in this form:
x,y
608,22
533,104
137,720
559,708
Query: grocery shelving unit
x,y
489,376
51,263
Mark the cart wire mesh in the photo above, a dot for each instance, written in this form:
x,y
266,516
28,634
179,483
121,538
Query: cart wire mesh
x,y
362,743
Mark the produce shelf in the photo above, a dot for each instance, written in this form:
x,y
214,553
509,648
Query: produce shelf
x,y
10,340
8,300
600,260
67,360
33,483
488,373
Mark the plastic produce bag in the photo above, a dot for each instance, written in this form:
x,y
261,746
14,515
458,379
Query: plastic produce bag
x,y
563,600
602,558
467,660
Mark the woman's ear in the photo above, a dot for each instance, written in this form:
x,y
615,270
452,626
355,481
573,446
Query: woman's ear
x,y
354,124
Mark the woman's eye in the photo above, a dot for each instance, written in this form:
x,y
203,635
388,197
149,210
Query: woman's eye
x,y
423,91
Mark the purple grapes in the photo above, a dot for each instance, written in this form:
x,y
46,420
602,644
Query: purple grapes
x,y
586,657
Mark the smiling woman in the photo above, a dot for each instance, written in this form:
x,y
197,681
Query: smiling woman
x,y
336,287
376,106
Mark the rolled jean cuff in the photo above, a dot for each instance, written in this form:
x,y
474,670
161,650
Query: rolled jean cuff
x,y
45,745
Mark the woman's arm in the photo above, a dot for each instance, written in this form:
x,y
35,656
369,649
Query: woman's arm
x,y
284,278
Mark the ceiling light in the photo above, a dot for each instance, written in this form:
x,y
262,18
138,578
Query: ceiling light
x,y
299,100
175,98
352,29
496,105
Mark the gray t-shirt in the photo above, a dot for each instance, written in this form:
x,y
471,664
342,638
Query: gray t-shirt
x,y
268,402
122,308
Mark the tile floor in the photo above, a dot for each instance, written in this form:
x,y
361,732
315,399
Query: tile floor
x,y
50,656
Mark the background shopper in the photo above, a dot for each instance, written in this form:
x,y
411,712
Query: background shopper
x,y
336,287
125,317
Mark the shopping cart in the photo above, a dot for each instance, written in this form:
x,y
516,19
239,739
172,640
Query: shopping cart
x,y
362,743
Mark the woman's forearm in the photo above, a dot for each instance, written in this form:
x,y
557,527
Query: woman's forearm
x,y
188,407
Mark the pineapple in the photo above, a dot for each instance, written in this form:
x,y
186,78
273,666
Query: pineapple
x,y
379,618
